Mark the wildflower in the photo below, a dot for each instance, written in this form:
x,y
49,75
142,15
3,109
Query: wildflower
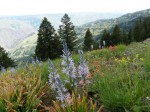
x,y
56,82
38,62
68,65
89,76
96,62
127,53
137,55
96,66
124,60
69,99
82,82
112,48
82,68
141,59
128,58
65,96
87,82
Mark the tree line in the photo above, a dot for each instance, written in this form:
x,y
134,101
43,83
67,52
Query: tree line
x,y
138,33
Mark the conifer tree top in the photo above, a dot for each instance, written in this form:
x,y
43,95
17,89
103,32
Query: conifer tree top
x,y
67,32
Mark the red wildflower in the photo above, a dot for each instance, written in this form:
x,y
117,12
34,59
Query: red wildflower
x,y
112,48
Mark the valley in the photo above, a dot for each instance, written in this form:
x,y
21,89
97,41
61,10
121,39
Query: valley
x,y
126,22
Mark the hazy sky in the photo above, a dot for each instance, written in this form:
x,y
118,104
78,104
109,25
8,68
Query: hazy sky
x,y
26,7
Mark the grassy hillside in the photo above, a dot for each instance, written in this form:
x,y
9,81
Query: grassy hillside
x,y
119,82
25,48
126,22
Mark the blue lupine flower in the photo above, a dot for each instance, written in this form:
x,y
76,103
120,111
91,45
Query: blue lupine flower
x,y
68,65
56,82
82,68
70,70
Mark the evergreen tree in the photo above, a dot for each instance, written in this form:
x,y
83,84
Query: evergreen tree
x,y
130,36
88,40
146,24
56,47
139,31
67,32
48,43
5,61
124,38
106,38
116,35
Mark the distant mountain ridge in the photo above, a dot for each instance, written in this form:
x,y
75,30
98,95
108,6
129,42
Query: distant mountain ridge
x,y
12,32
126,22
14,29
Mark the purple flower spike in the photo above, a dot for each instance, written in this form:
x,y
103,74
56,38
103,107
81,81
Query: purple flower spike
x,y
68,65
56,82
82,68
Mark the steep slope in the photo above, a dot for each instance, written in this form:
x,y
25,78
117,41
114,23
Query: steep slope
x,y
126,22
12,32
25,48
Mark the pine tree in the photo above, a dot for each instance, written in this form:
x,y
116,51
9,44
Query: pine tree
x,y
5,61
130,36
106,38
124,38
117,35
88,40
67,32
146,24
48,43
139,31
57,47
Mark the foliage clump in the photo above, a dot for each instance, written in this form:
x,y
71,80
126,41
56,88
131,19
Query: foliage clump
x,y
5,61
48,43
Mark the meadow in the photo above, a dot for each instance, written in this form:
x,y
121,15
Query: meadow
x,y
114,79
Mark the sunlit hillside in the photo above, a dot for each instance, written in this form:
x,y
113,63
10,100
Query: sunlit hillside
x,y
121,70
